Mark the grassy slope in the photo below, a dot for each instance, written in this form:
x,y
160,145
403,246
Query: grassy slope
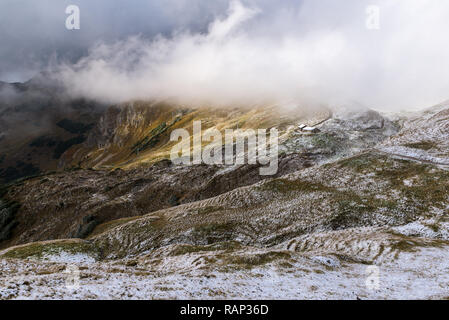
x,y
141,133
369,190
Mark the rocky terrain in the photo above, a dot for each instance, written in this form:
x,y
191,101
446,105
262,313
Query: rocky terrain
x,y
366,194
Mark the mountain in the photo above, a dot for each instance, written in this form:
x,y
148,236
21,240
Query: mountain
x,y
38,123
364,194
424,136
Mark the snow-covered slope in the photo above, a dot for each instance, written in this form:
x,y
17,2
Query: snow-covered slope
x,y
366,222
425,136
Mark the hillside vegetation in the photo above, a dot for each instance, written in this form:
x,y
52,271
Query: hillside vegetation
x,y
365,191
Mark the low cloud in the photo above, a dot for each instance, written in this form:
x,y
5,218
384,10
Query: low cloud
x,y
304,52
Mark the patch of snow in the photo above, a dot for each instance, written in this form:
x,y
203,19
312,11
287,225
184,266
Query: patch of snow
x,y
425,229
414,153
66,257
328,261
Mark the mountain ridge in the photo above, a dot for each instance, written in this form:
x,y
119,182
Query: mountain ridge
x,y
365,191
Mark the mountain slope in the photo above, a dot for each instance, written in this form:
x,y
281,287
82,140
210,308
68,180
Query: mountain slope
x,y
424,136
38,123
312,231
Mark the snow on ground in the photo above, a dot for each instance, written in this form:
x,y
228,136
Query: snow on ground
x,y
320,277
65,257
426,229
414,154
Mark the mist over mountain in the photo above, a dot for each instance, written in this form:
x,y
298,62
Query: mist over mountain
x,y
244,52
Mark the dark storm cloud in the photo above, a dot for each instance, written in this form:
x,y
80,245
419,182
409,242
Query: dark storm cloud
x,y
33,33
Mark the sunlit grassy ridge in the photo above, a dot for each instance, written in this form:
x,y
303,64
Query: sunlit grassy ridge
x,y
141,135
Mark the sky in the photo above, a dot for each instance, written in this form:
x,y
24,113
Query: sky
x,y
32,33
235,51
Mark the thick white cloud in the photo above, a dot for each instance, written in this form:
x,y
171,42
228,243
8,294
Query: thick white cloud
x,y
307,51
318,51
